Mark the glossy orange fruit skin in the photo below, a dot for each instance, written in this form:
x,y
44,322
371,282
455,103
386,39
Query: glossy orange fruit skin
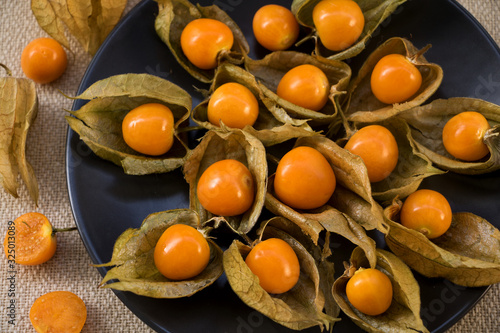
x,y
276,265
44,60
181,252
58,312
395,79
233,104
339,23
378,148
306,86
370,291
304,179
275,27
149,129
463,136
226,188
32,239
202,40
428,212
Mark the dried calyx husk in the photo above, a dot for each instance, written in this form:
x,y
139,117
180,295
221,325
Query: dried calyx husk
x,y
309,303
99,121
89,21
404,312
362,105
412,167
427,123
468,254
229,144
174,15
273,125
269,71
374,11
18,110
338,216
133,259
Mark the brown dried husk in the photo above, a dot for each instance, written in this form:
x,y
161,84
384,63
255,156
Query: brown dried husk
x,y
427,123
302,306
404,313
273,124
269,71
133,259
374,11
363,106
99,121
18,110
351,177
468,254
89,21
230,144
174,15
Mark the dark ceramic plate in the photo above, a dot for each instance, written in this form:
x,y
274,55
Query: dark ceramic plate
x,y
105,201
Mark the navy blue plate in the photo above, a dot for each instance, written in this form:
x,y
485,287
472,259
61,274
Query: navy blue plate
x,y
105,201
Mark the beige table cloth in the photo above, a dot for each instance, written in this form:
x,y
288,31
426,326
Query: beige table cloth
x,y
70,269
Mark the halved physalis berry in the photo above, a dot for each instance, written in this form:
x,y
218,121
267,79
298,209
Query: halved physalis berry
x,y
31,239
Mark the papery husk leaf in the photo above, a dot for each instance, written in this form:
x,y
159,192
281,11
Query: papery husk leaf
x,y
311,227
232,144
269,71
411,169
299,308
468,254
18,110
88,21
427,123
321,254
352,177
273,124
133,260
404,313
374,11
174,15
350,173
99,121
342,224
363,106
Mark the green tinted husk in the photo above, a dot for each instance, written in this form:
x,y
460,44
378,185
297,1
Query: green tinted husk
x,y
133,259
174,15
404,313
273,124
99,121
468,254
374,12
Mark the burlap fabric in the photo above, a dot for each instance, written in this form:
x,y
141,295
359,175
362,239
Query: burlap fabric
x,y
71,269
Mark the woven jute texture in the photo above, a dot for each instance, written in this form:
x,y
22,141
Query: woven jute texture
x,y
71,269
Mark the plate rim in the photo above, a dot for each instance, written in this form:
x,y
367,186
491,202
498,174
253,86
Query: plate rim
x,y
453,320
